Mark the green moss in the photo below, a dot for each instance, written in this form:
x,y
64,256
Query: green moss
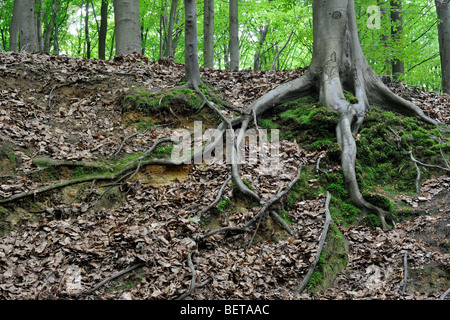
x,y
333,259
147,102
350,97
223,204
248,184
284,215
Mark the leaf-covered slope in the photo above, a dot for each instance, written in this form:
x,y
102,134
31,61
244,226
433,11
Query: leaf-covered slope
x,y
70,109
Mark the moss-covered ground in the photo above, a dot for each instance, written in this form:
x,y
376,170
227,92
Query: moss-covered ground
x,y
384,171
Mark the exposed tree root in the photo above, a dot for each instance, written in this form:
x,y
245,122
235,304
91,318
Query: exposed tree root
x,y
108,177
276,217
323,237
405,272
216,201
194,277
417,162
114,276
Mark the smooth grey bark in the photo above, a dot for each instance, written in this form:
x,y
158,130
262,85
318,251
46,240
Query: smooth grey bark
x,y
127,26
27,26
262,37
398,66
103,30
55,12
162,28
443,14
208,34
39,25
14,28
170,52
234,35
86,31
338,64
192,68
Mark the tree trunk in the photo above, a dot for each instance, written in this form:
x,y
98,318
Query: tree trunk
x,y
127,26
169,35
234,35
39,25
103,30
398,66
190,45
257,57
443,14
86,31
14,28
208,31
27,26
338,64
55,13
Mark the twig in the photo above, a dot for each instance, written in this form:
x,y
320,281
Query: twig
x,y
194,277
219,195
318,169
255,232
442,154
114,276
323,236
123,142
417,182
416,162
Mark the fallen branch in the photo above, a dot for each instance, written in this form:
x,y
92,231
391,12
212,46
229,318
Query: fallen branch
x,y
323,237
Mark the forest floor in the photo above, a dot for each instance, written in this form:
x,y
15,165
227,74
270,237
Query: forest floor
x,y
67,118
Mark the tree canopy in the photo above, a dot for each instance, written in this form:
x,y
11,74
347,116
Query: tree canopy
x,y
287,24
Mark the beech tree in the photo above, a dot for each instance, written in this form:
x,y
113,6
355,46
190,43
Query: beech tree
x,y
234,35
127,26
398,66
23,27
208,31
338,64
443,14
190,45
103,30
